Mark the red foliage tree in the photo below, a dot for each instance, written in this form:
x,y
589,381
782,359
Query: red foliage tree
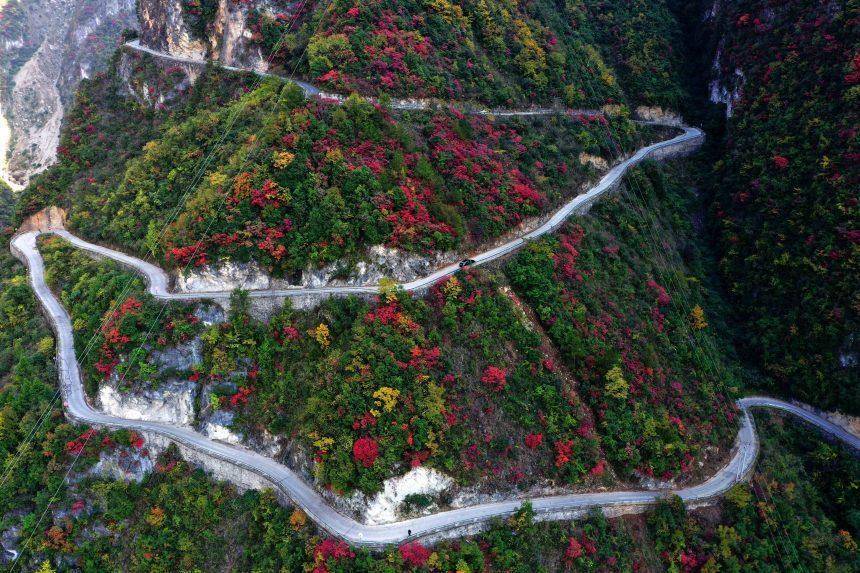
x,y
495,378
534,440
563,452
414,554
365,450
573,550
333,549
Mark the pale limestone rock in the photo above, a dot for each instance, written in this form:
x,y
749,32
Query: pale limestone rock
x,y
225,277
385,505
127,464
162,27
595,161
172,402
655,113
217,427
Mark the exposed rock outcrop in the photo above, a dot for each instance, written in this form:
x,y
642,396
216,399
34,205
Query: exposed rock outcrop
x,y
127,464
228,37
226,276
163,27
594,160
45,220
379,262
45,51
9,540
386,506
217,427
172,402
658,114
180,357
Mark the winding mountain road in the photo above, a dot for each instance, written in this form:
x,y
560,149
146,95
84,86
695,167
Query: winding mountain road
x,y
303,495
159,280
312,91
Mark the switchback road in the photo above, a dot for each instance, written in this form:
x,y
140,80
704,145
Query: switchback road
x,y
303,495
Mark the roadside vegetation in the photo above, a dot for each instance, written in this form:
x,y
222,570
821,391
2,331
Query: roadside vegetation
x,y
466,379
118,325
583,54
302,183
622,294
601,356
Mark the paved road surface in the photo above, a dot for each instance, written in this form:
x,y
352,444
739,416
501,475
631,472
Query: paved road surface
x,y
302,494
312,91
159,280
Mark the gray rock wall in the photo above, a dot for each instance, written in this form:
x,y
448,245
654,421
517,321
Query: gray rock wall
x,y
51,47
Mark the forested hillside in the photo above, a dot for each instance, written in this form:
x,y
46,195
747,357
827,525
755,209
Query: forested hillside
x,y
625,296
785,202
579,52
606,355
302,183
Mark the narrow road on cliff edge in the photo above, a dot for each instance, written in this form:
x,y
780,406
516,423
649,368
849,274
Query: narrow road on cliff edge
x,y
312,91
302,494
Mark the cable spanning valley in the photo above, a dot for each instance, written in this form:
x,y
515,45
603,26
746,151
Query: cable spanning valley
x,y
302,494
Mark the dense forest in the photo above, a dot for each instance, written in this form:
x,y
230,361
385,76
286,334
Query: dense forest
x,y
624,295
798,511
785,193
303,183
583,53
374,389
606,355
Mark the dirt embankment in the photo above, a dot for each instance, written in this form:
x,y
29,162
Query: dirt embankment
x,y
45,220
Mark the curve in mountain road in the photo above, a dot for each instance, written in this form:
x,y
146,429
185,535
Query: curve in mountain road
x,y
303,495
346,528
159,280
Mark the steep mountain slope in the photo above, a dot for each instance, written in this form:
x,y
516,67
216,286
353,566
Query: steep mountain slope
x,y
300,183
46,48
585,52
600,356
785,190
621,295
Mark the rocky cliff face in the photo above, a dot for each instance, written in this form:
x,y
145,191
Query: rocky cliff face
x,y
225,38
163,27
172,403
46,48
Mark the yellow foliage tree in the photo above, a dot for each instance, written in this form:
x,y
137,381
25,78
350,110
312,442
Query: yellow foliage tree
x,y
45,345
452,289
298,519
321,335
155,517
386,398
698,317
616,385
388,289
451,13
283,159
